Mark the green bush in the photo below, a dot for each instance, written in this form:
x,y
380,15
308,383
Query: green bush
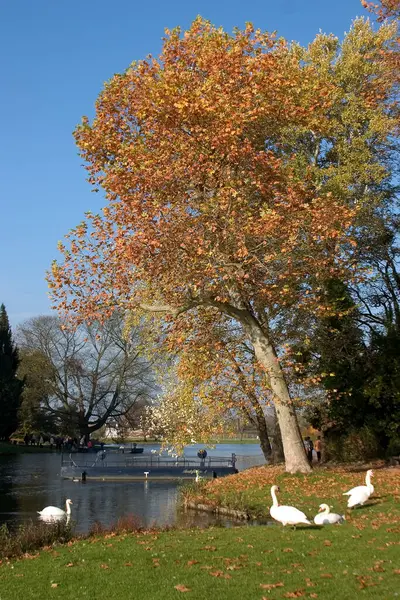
x,y
31,536
357,445
393,448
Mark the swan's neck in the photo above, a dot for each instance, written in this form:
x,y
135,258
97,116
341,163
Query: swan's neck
x,y
326,510
67,504
274,498
368,480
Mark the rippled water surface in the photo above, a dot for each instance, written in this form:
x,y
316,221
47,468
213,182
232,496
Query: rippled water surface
x,y
29,482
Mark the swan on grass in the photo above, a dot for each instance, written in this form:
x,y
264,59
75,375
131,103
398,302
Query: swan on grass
x,y
361,493
325,517
53,513
287,515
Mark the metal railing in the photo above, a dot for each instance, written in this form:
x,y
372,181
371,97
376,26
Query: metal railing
x,y
114,459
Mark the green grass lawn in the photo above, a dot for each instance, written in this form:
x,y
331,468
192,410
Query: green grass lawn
x,y
340,562
359,559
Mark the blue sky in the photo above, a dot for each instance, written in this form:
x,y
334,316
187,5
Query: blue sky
x,y
55,57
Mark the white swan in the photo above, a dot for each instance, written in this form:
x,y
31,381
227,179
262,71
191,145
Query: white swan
x,y
325,517
287,515
361,493
52,512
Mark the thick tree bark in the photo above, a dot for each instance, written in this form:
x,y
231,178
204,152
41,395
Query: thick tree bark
x,y
295,457
277,455
262,431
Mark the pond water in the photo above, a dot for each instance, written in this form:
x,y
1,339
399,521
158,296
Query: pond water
x,y
29,482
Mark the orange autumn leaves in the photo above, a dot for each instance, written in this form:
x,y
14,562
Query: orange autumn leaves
x,y
203,205
384,9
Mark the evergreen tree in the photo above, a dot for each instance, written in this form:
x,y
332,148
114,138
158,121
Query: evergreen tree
x,y
10,385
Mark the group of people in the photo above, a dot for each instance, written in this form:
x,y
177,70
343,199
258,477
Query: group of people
x,y
31,439
309,446
58,442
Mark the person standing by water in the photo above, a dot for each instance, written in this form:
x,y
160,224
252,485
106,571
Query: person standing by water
x,y
318,448
308,445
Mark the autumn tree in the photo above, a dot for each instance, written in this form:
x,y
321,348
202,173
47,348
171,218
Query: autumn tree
x,y
209,208
92,374
221,365
11,385
384,9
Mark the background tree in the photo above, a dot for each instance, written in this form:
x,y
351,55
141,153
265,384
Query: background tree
x,y
38,375
11,385
209,204
94,373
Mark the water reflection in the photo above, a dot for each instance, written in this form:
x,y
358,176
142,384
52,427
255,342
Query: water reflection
x,y
30,482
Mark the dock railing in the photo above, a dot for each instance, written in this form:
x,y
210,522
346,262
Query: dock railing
x,y
115,459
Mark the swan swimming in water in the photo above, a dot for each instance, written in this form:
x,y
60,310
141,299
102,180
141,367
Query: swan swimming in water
x,y
325,517
53,513
361,493
287,515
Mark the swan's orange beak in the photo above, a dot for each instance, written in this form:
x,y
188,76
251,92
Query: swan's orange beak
x,y
320,509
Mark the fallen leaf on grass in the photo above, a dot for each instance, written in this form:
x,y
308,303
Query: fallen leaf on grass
x,y
327,543
396,571
220,574
287,550
181,588
327,575
104,566
295,594
309,582
209,548
192,562
313,595
233,567
156,562
70,564
19,574
365,582
54,585
128,564
270,586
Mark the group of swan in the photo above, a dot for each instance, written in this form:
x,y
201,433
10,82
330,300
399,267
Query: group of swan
x,y
51,514
289,515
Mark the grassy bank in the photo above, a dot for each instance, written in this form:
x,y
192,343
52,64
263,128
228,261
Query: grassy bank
x,y
359,559
7,448
340,562
249,491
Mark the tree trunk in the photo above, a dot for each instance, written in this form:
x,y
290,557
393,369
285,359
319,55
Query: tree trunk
x,y
277,446
263,432
295,456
